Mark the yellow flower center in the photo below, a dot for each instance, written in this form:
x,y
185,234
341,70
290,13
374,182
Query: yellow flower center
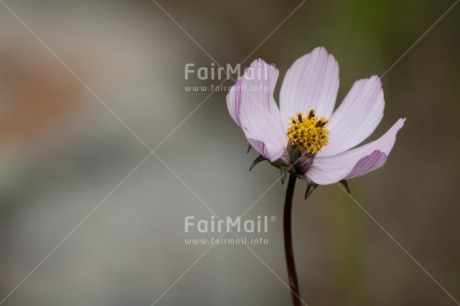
x,y
308,133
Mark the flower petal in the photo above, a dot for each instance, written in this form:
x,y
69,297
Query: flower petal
x,y
367,164
259,115
356,118
268,150
234,102
356,162
312,82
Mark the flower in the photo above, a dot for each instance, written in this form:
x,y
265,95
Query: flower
x,y
305,135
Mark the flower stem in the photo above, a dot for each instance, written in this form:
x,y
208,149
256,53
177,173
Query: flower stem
x,y
288,249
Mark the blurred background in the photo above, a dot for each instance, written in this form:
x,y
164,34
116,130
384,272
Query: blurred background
x,y
62,154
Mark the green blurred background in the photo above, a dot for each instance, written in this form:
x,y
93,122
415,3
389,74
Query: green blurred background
x,y
62,153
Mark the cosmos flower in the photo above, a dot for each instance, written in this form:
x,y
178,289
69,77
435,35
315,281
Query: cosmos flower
x,y
305,135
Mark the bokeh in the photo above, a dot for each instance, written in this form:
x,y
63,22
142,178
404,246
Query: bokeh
x,y
88,217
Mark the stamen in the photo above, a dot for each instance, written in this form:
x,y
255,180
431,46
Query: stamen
x,y
308,133
299,116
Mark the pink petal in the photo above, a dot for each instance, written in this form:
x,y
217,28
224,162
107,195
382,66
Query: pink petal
x,y
356,118
234,102
356,162
367,164
268,150
259,115
312,82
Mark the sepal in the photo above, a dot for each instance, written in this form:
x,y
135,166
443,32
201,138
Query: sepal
x,y
259,159
284,173
345,184
310,188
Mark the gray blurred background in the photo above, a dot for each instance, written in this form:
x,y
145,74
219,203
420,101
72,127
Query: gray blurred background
x,y
62,152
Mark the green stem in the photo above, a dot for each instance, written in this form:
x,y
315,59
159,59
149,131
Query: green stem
x,y
288,249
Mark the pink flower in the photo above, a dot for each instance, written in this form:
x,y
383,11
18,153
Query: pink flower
x,y
305,134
